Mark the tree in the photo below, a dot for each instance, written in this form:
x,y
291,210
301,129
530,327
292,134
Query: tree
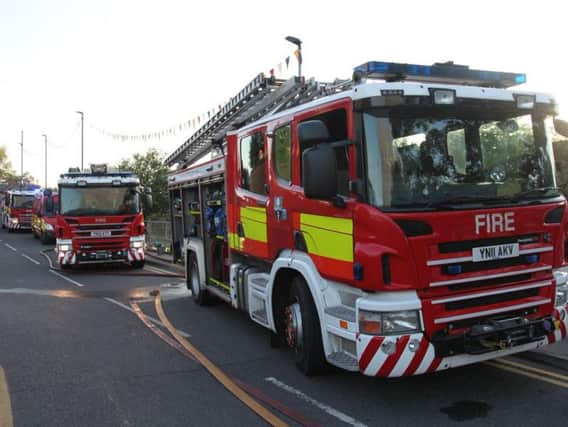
x,y
6,171
561,158
152,172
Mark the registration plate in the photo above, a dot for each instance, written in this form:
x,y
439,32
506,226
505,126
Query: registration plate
x,y
105,233
488,253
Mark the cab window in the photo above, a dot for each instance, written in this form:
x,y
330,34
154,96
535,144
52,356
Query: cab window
x,y
282,163
252,156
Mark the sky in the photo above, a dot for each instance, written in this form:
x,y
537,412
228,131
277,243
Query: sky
x,y
138,67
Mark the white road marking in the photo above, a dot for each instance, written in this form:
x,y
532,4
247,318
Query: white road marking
x,y
67,278
36,262
119,304
326,408
157,270
10,247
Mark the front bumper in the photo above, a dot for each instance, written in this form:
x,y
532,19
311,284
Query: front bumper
x,y
415,354
100,256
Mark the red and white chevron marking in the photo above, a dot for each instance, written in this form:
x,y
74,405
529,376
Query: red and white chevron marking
x,y
135,255
66,258
562,331
414,354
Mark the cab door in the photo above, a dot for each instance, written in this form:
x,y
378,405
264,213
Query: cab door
x,y
250,233
321,228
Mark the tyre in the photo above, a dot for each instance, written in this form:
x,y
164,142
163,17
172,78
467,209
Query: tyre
x,y
35,234
43,238
302,330
200,296
137,264
65,266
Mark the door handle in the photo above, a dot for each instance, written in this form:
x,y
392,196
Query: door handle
x,y
240,230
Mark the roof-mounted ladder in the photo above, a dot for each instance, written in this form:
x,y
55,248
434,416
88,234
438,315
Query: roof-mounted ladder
x,y
262,96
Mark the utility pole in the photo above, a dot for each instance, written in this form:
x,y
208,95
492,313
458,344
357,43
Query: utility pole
x,y
22,161
82,116
45,140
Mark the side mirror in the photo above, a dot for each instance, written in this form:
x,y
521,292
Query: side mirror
x,y
319,172
312,132
49,204
561,127
147,200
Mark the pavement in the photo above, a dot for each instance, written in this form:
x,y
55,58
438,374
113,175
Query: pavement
x,y
75,351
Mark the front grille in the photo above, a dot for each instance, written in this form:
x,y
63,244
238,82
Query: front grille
x,y
103,245
468,267
467,245
490,282
491,299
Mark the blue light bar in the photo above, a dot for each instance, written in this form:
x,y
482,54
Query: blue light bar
x,y
448,73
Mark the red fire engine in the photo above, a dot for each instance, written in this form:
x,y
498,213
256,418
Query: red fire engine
x,y
100,218
44,209
392,227
17,210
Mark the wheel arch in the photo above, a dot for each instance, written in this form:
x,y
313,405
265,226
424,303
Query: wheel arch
x,y
195,247
288,265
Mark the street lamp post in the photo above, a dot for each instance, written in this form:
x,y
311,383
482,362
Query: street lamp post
x,y
82,116
45,141
297,42
22,161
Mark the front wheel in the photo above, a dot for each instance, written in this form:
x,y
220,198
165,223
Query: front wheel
x,y
200,296
302,330
137,264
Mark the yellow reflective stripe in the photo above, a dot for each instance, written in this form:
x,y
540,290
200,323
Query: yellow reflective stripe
x,y
256,214
327,236
329,244
253,220
219,283
340,225
255,230
235,242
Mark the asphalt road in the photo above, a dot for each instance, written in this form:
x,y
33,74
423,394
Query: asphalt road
x,y
74,353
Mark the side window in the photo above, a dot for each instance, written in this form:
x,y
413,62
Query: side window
x,y
252,157
282,163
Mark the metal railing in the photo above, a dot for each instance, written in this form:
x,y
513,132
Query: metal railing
x,y
159,236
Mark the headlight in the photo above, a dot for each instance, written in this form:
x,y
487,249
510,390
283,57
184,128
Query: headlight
x,y
64,248
561,295
136,245
49,227
14,220
390,323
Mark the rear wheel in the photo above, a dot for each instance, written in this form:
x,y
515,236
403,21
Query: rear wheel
x,y
65,266
43,238
200,295
302,330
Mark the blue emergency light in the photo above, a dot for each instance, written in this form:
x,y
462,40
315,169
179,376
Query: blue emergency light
x,y
447,72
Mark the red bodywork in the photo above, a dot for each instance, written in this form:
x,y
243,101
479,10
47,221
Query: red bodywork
x,y
376,234
80,231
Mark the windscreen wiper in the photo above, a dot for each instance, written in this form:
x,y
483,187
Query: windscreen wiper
x,y
536,192
449,201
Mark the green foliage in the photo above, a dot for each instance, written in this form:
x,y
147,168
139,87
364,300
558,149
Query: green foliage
x,y
8,176
561,157
152,172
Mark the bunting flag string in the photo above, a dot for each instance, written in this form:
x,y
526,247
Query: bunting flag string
x,y
190,126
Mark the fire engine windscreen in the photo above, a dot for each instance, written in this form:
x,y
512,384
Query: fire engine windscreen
x,y
22,202
428,158
99,200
